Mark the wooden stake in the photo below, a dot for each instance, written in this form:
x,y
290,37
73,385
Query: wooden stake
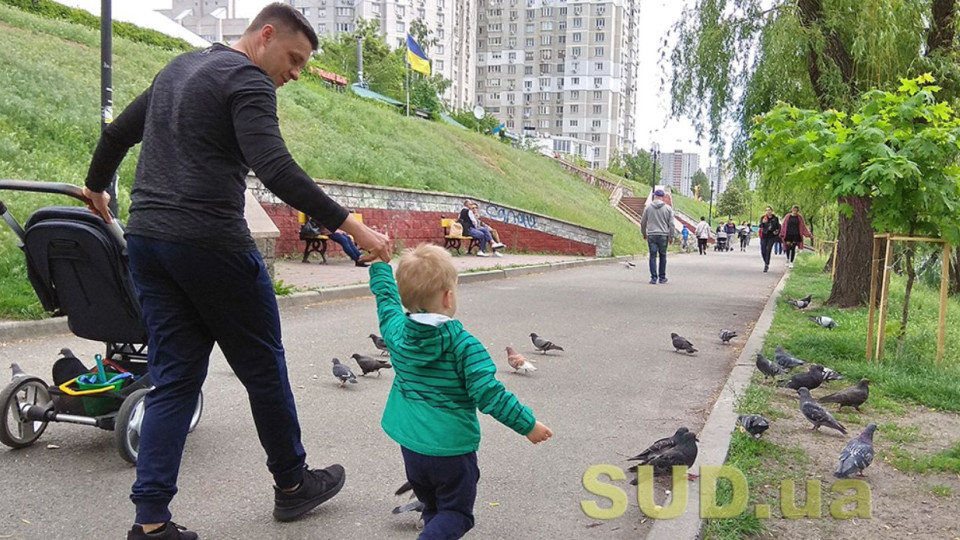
x,y
884,297
872,302
833,268
944,284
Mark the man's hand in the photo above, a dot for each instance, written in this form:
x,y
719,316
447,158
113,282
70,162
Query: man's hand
x,y
98,203
377,244
539,433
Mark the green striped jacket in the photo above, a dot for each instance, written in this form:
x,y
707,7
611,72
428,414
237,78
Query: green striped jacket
x,y
442,375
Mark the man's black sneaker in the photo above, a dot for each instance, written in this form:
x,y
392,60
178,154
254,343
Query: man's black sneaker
x,y
317,487
169,531
361,264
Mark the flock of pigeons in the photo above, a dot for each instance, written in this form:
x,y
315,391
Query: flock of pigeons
x,y
857,455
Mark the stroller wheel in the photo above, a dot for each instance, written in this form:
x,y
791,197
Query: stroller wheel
x,y
127,426
18,432
130,419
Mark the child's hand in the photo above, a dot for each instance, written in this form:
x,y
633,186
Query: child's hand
x,y
539,433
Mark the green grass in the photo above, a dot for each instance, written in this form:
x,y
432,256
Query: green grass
x,y
941,490
944,461
49,117
691,206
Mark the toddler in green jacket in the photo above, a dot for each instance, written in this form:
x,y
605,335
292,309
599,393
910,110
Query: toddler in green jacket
x,y
442,376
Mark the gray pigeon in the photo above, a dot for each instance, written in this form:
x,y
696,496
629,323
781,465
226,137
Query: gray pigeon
x,y
683,453
379,344
801,303
660,445
413,506
629,264
369,365
824,321
343,373
852,396
831,375
857,455
681,344
543,345
767,367
727,335
816,414
67,367
754,424
810,379
786,360
17,372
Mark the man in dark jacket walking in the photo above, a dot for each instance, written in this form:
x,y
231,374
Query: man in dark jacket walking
x,y
656,226
769,233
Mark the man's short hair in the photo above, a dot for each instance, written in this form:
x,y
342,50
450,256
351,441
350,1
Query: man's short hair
x,y
423,274
702,218
286,18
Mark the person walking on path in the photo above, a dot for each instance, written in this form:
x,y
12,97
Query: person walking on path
x,y
792,231
744,235
656,226
443,376
769,232
703,234
208,118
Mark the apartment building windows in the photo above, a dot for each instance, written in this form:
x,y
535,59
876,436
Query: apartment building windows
x,y
563,11
601,10
574,123
439,49
574,80
527,98
598,37
595,137
509,123
598,81
440,4
496,55
438,64
597,109
513,28
512,43
576,37
575,94
546,26
528,85
511,70
345,12
343,27
544,124
322,28
598,94
596,123
529,42
495,40
562,25
493,69
528,70
546,54
528,28
546,40
544,68
305,11
598,51
562,39
544,82
421,13
598,66
531,14
558,124
577,22
494,27
575,51
600,23
560,68
559,109
574,109
439,33
546,12
528,56
526,112
512,56
401,11
543,109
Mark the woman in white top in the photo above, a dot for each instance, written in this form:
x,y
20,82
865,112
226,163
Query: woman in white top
x,y
703,234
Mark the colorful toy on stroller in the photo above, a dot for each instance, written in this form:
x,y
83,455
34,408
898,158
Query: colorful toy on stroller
x,y
78,267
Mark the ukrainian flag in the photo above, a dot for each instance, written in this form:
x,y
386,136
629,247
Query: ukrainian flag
x,y
416,57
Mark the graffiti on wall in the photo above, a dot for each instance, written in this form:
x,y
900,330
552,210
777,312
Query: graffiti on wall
x,y
511,217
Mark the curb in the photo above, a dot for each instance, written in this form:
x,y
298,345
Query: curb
x,y
718,430
20,330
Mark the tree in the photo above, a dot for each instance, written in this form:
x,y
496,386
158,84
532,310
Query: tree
x,y
637,167
383,69
735,59
901,149
732,201
700,179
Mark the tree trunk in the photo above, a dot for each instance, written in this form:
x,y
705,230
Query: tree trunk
x,y
955,271
851,287
943,26
911,279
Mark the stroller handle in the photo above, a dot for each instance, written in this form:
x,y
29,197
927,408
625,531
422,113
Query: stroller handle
x,y
58,188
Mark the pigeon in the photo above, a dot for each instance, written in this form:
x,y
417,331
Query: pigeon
x,y
767,367
831,375
824,321
787,360
801,303
660,445
413,506
369,365
851,396
17,372
681,344
682,453
810,379
544,345
816,414
857,455
67,367
379,344
343,373
727,335
629,264
518,362
753,424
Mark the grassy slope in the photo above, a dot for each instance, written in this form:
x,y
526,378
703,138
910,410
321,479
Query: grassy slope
x,y
49,117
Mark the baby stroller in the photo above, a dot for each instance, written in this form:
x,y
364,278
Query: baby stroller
x,y
722,243
77,265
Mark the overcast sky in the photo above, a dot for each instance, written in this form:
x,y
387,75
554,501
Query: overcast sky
x,y
656,17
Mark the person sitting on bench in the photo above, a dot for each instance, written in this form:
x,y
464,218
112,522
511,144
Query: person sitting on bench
x,y
472,228
345,242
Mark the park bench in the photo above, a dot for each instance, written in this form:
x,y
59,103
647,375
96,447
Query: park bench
x,y
317,243
454,241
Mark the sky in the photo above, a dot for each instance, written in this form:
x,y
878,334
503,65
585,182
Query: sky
x,y
653,108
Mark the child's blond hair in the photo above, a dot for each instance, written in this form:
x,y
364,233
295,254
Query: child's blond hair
x,y
423,274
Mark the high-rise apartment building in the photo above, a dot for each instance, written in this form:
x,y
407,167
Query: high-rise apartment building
x,y
561,69
678,169
213,20
451,22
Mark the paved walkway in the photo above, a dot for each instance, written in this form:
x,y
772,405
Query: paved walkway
x,y
617,387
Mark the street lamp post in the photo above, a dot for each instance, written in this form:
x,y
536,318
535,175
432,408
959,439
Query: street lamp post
x,y
710,212
655,153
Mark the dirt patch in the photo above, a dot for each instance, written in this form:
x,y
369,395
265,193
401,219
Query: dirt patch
x,y
904,505
485,159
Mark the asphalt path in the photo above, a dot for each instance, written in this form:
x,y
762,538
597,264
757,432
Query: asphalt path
x,y
617,387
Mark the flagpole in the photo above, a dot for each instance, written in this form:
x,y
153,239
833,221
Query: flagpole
x,y
406,64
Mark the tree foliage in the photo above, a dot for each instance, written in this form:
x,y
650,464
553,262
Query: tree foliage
x,y
733,201
637,167
700,179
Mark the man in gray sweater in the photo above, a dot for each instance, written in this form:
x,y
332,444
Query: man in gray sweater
x,y
656,226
